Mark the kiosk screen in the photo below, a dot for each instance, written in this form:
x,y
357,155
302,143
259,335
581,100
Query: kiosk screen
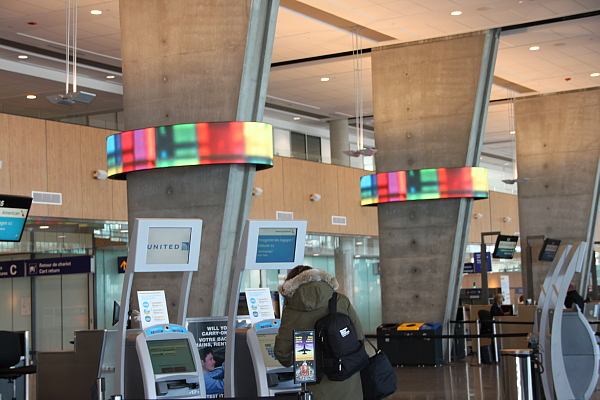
x,y
171,356
276,245
267,348
168,245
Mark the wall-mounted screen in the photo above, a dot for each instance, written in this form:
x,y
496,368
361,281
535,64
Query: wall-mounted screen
x,y
505,246
549,249
172,356
273,244
13,215
159,245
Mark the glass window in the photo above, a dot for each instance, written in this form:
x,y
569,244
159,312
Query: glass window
x,y
305,147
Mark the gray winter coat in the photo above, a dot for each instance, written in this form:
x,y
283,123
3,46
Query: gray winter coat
x,y
306,301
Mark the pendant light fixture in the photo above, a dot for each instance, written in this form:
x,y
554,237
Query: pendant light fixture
x,y
357,57
69,98
513,133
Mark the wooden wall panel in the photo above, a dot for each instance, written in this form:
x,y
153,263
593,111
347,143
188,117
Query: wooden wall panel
x,y
28,167
271,200
504,205
119,200
97,195
360,220
4,155
65,173
480,225
303,178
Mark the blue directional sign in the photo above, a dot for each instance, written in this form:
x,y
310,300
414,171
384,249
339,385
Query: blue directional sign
x,y
59,266
488,259
468,268
12,269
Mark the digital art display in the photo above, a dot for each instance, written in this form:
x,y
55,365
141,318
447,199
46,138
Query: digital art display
x,y
304,356
424,184
202,143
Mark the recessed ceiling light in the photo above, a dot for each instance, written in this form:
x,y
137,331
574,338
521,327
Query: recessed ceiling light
x,y
31,96
316,255
124,231
95,12
296,118
512,132
44,227
23,56
62,236
110,77
534,48
324,79
456,13
359,243
595,74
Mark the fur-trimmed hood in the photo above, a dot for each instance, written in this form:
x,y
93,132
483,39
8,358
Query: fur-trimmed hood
x,y
312,275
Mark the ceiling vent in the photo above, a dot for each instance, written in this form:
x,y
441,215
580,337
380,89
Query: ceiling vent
x,y
337,220
285,215
47,198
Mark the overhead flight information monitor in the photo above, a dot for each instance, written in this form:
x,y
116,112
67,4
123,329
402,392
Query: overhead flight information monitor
x,y
505,246
549,249
13,215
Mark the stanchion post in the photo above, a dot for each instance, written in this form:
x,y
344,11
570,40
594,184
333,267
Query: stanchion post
x,y
495,340
478,343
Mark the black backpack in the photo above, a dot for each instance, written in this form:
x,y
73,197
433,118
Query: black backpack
x,y
339,352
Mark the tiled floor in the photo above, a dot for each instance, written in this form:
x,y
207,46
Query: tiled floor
x,y
456,381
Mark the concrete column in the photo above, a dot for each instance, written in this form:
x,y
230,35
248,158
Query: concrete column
x,y
558,149
430,103
344,266
340,142
190,61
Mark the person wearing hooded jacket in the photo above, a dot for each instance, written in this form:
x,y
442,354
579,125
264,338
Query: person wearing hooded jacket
x,y
306,293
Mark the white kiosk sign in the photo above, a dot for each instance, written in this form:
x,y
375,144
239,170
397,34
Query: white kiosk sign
x,y
153,308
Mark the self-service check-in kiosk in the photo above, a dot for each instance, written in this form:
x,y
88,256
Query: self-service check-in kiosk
x,y
271,376
168,360
265,244
568,348
171,366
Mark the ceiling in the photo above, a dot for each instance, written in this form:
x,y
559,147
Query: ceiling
x,y
314,40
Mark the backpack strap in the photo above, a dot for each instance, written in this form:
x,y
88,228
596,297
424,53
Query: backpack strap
x,y
333,303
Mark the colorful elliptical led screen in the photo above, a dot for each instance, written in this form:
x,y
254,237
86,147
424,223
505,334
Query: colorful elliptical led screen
x,y
276,245
13,215
505,246
168,246
549,249
171,356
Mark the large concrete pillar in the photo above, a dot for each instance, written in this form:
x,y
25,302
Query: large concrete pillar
x,y
340,142
558,150
430,103
344,266
189,61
